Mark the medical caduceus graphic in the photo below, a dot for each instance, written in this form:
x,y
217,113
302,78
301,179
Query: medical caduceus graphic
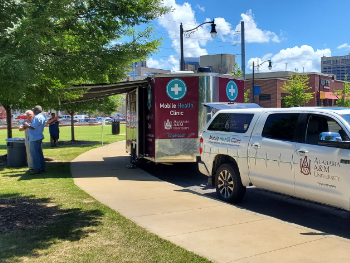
x,y
305,166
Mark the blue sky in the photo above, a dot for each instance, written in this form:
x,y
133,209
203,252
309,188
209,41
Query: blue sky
x,y
294,32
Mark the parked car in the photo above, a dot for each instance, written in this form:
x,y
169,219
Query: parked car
x,y
23,117
90,120
64,117
108,120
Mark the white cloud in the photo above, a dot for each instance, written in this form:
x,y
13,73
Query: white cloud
x,y
345,45
296,58
253,34
170,64
202,8
194,46
184,14
224,29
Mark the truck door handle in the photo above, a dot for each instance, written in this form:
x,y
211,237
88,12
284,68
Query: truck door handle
x,y
305,152
256,145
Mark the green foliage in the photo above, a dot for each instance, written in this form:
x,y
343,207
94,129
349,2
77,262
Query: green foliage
x,y
106,105
297,86
344,94
46,46
238,71
246,95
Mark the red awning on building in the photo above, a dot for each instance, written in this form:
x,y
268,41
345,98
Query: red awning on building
x,y
328,95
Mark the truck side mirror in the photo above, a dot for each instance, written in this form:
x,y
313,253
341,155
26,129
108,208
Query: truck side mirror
x,y
333,139
330,136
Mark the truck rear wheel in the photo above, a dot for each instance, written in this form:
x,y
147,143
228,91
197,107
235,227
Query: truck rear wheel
x,y
228,184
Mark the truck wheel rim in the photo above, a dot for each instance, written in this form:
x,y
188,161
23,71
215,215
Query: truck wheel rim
x,y
225,183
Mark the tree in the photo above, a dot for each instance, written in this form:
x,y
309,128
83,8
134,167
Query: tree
x,y
238,71
106,105
46,46
344,94
297,86
246,95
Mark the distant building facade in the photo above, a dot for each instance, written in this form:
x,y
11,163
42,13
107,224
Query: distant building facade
x,y
271,95
140,71
337,65
191,63
220,63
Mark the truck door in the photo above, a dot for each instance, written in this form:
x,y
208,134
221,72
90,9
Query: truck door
x,y
272,152
322,173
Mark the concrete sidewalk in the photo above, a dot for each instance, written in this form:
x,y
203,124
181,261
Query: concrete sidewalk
x,y
208,227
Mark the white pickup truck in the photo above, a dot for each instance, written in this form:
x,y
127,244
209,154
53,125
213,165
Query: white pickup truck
x,y
302,152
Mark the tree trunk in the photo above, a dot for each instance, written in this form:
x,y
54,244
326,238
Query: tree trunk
x,y
9,121
72,125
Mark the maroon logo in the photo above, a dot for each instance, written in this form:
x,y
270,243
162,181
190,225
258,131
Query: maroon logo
x,y
305,166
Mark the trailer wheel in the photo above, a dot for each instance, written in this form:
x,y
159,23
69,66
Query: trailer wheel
x,y
228,184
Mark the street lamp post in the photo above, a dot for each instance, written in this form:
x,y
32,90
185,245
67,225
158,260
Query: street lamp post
x,y
188,34
270,67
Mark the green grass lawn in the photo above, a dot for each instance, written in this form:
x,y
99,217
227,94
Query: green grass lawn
x,y
47,218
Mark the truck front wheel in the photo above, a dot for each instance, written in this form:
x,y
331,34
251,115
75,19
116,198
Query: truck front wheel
x,y
228,184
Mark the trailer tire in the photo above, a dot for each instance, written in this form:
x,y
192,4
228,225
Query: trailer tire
x,y
228,184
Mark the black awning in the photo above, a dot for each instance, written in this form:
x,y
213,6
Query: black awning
x,y
98,91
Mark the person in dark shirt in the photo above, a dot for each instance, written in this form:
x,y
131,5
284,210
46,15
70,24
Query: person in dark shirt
x,y
54,129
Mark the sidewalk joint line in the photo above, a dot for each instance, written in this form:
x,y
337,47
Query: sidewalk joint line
x,y
279,249
218,227
172,212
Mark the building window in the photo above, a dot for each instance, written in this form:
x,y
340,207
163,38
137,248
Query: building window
x,y
265,97
283,103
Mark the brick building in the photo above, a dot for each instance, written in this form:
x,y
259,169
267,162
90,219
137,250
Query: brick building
x,y
271,93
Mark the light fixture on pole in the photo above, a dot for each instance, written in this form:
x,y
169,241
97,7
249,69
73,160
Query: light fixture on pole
x,y
188,34
270,67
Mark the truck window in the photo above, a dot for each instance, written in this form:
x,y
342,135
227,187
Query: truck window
x,y
231,122
317,124
280,126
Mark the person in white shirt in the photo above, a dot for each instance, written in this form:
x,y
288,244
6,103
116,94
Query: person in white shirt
x,y
30,116
36,137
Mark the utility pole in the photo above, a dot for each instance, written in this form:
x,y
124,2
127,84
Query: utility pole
x,y
243,49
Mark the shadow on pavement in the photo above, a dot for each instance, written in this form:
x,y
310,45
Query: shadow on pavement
x,y
304,213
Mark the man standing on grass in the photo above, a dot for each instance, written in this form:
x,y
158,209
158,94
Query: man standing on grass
x,y
30,116
36,136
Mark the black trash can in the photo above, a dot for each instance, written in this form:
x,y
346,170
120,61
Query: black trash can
x,y
16,152
115,127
